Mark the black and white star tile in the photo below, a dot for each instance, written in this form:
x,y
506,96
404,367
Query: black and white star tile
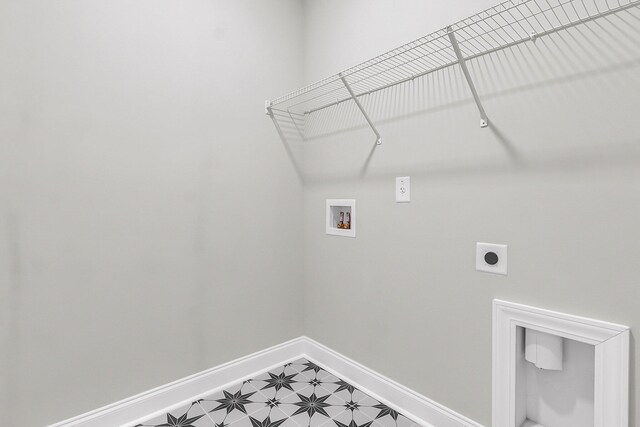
x,y
298,394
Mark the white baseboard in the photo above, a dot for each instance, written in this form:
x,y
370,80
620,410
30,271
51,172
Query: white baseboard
x,y
195,386
404,400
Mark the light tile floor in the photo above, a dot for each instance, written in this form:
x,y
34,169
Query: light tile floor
x,y
298,394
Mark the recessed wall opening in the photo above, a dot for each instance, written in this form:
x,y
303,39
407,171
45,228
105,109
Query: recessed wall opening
x,y
555,369
341,217
563,396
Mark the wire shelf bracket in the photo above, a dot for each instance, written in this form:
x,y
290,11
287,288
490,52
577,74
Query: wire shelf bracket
x,y
484,120
362,110
505,25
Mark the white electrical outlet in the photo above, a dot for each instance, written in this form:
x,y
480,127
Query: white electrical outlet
x,y
491,258
403,189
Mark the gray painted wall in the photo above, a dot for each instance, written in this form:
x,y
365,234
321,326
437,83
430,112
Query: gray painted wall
x,y
128,253
556,176
150,218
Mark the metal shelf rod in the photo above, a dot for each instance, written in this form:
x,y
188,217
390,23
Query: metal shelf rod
x,y
484,121
362,110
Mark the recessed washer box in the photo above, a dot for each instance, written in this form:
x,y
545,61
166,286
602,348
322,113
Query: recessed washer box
x,y
491,258
341,217
590,390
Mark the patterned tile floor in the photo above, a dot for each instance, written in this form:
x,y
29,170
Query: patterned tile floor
x,y
298,394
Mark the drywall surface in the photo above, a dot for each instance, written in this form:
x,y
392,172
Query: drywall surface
x,y
150,216
556,176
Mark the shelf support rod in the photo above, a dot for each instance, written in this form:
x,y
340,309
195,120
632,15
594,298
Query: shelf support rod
x,y
362,110
484,120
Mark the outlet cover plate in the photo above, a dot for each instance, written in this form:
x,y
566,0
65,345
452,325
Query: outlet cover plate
x,y
483,260
403,189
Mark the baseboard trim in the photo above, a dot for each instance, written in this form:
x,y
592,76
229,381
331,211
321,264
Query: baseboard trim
x,y
409,402
412,404
174,394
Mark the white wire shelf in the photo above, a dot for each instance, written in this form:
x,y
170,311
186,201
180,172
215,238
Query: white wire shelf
x,y
509,23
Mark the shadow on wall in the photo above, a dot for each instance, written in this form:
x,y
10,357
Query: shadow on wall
x,y
11,315
566,78
289,128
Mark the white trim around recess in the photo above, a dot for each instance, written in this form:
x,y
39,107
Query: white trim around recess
x,y
611,343
408,402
